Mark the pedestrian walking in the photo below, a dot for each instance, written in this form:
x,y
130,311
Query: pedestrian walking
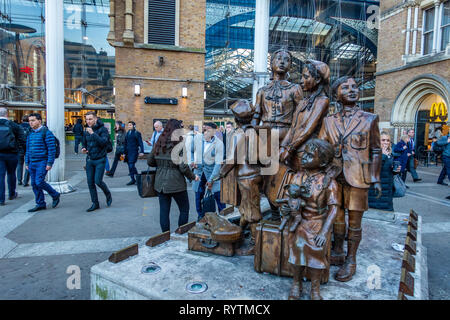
x,y
411,156
208,158
78,132
402,151
444,142
158,130
132,145
39,158
96,142
12,142
120,148
170,179
21,177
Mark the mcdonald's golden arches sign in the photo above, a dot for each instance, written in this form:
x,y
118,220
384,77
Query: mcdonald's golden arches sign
x,y
438,112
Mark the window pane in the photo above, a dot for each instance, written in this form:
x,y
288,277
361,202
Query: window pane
x,y
428,42
445,37
429,19
446,14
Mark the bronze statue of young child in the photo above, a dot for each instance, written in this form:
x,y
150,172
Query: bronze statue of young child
x,y
311,223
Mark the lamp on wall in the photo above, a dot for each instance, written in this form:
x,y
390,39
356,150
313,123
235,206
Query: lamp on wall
x,y
204,95
114,91
184,92
137,89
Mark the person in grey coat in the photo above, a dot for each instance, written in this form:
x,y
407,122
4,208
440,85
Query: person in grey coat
x,y
208,157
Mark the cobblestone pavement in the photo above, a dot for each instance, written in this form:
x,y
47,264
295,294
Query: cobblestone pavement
x,y
38,250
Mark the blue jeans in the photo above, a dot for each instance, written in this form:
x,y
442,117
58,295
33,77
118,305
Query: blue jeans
x,y
106,164
445,169
77,142
37,175
165,201
94,172
411,169
8,164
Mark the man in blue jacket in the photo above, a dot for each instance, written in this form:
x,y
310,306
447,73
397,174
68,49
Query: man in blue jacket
x,y
39,159
133,142
445,142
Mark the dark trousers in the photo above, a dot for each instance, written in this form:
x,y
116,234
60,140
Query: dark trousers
x,y
115,162
94,172
201,193
410,168
20,176
445,169
77,142
8,164
37,175
165,201
132,170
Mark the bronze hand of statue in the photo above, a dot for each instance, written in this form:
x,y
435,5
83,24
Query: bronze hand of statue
x,y
320,239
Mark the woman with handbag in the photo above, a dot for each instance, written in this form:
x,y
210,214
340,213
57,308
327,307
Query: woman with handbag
x,y
388,174
120,149
170,179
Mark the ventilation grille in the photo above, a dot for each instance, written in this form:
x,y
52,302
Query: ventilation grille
x,y
161,21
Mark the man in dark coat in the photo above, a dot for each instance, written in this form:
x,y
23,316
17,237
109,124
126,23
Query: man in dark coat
x,y
12,142
26,131
133,142
95,143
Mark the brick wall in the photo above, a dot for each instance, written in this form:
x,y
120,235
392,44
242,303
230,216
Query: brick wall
x,y
389,86
134,65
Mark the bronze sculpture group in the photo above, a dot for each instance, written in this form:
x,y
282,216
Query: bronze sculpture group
x,y
327,164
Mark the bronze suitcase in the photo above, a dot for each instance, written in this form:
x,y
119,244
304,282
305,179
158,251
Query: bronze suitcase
x,y
199,239
272,250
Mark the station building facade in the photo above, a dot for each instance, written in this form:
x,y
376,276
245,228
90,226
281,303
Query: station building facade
x,y
413,68
168,49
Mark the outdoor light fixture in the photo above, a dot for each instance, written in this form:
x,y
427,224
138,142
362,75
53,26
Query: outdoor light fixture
x,y
204,95
114,91
184,92
137,89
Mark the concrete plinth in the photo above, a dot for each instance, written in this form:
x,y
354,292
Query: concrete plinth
x,y
377,276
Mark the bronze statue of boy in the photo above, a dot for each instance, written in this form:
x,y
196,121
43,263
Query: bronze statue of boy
x,y
356,138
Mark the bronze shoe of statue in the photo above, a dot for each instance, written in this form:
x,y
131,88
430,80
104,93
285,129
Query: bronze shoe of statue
x,y
221,229
296,290
315,290
346,272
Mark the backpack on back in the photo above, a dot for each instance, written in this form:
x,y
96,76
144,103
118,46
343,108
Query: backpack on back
x,y
7,137
57,144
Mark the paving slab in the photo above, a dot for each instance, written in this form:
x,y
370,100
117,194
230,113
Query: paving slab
x,y
377,276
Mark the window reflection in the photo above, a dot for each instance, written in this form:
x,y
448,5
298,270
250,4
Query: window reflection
x,y
88,58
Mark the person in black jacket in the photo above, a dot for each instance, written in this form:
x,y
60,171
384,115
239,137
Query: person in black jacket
x,y
120,149
132,145
78,132
388,170
12,142
26,177
95,143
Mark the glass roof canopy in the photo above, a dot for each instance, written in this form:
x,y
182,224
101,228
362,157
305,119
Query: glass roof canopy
x,y
332,31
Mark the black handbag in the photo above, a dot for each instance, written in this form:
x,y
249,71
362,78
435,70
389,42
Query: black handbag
x,y
145,182
208,202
